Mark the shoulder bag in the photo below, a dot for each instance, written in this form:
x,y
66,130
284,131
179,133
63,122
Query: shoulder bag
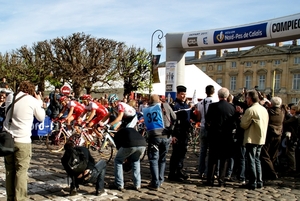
x,y
6,140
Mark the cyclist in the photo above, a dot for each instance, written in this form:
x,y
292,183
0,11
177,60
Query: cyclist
x,y
76,111
125,115
97,113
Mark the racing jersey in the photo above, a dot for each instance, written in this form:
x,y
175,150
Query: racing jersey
x,y
101,111
78,108
127,109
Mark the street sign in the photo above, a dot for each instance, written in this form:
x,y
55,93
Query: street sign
x,y
65,90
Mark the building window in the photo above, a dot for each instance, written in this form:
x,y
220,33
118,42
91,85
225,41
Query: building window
x,y
295,100
297,60
203,68
233,83
276,62
262,63
296,82
261,82
248,80
219,81
277,81
233,64
248,64
220,67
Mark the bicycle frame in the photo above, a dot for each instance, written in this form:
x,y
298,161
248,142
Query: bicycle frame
x,y
107,137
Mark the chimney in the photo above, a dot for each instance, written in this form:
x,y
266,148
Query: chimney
x,y
197,54
279,44
295,42
219,53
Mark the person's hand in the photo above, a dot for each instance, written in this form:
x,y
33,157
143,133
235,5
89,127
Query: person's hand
x,y
288,135
37,95
174,140
238,109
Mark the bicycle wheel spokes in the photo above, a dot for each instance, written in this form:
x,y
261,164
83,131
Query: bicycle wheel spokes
x,y
55,141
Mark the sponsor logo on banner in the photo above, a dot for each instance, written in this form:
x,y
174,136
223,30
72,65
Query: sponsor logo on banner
x,y
205,42
285,25
192,41
240,34
169,87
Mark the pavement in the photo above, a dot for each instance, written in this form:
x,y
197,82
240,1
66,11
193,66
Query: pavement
x,y
48,181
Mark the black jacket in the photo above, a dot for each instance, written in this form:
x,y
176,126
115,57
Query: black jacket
x,y
129,137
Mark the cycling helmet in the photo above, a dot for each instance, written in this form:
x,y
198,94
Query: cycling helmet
x,y
112,98
86,97
63,98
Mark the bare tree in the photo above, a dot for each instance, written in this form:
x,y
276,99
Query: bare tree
x,y
134,67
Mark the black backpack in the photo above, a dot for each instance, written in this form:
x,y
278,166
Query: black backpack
x,y
74,161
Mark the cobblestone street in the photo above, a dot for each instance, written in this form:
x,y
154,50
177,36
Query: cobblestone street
x,y
48,181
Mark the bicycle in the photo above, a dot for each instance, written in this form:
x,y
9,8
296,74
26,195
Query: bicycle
x,y
107,144
194,138
56,139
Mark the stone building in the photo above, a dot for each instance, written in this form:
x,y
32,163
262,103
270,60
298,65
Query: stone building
x,y
275,70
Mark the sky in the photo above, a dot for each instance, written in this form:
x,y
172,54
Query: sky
x,y
24,22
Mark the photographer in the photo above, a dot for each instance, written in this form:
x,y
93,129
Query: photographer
x,y
25,109
159,138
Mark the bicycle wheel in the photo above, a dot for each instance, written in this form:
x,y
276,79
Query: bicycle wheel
x,y
107,152
54,143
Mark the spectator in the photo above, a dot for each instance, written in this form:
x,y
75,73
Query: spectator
x,y
46,102
255,123
130,144
55,107
158,138
180,136
291,126
202,110
220,122
17,164
4,84
94,172
270,149
2,110
142,106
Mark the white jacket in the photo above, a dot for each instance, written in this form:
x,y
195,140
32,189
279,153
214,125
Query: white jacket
x,y
24,112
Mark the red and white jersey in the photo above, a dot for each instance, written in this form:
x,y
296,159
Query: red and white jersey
x,y
78,108
127,109
101,111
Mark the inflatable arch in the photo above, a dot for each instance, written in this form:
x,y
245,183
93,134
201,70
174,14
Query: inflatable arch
x,y
264,32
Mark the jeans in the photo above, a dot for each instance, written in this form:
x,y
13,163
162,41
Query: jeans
x,y
242,163
99,171
230,165
203,152
157,159
16,166
255,174
133,154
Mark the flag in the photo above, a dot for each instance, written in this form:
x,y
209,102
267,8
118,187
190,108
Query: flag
x,y
195,100
155,62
